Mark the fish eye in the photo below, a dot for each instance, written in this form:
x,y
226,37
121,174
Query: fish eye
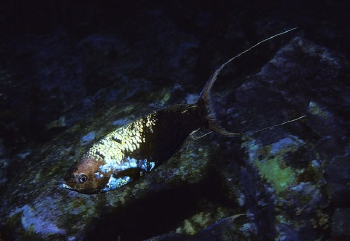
x,y
82,178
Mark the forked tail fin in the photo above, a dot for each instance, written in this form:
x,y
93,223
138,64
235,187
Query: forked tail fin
x,y
205,95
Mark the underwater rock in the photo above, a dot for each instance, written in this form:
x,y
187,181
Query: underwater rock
x,y
341,224
224,229
282,179
285,183
265,177
337,172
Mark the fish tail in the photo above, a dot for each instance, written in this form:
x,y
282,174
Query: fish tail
x,y
205,95
206,100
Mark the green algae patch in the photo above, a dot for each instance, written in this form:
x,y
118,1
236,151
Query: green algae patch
x,y
317,110
165,99
279,175
269,160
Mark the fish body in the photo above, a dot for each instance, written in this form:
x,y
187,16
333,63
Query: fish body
x,y
141,146
134,149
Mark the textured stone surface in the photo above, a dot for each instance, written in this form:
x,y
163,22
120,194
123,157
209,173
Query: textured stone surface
x,y
69,77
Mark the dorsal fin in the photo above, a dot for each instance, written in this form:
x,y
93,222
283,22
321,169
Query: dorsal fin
x,y
205,95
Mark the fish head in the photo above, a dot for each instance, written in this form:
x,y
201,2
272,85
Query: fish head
x,y
85,176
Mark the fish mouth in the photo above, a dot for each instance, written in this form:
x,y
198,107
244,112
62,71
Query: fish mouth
x,y
65,186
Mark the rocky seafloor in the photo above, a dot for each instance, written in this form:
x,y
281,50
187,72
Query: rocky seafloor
x,y
63,90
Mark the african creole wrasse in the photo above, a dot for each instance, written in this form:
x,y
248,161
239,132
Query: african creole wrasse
x,y
141,146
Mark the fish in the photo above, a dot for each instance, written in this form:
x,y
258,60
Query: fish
x,y
137,148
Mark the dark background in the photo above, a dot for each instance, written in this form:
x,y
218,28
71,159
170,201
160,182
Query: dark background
x,y
49,70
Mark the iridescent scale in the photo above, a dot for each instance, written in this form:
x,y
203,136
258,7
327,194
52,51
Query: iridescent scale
x,y
115,148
